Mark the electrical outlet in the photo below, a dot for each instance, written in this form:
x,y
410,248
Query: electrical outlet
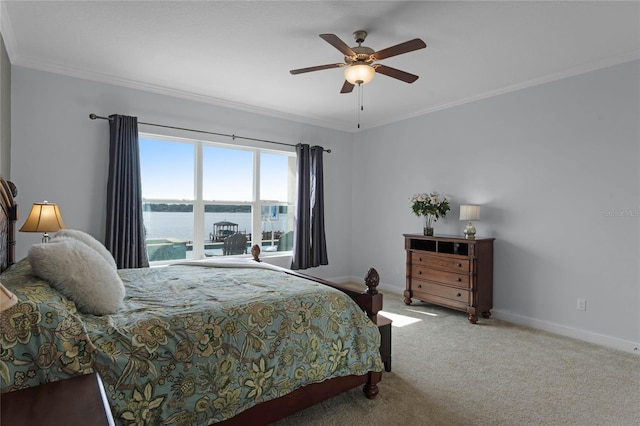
x,y
582,304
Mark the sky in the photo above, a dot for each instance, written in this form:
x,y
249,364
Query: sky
x,y
167,171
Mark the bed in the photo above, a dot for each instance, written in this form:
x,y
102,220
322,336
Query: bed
x,y
239,342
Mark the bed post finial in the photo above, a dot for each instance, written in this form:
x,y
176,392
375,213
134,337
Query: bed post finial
x,y
255,252
372,279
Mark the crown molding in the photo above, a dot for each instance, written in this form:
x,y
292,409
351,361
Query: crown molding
x,y
17,59
7,33
105,78
630,56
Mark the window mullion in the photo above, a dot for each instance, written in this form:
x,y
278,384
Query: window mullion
x,y
256,205
198,205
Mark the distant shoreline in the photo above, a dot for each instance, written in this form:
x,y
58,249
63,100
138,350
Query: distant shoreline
x,y
188,208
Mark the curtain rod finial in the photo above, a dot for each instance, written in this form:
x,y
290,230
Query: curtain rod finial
x,y
93,116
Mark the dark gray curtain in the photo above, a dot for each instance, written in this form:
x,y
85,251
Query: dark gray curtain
x,y
309,241
125,228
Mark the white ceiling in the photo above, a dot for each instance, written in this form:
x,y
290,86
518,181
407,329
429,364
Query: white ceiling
x,y
238,54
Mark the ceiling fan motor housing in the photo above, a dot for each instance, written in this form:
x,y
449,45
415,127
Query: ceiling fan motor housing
x,y
363,55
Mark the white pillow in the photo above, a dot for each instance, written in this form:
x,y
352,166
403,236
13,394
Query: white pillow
x,y
90,241
80,273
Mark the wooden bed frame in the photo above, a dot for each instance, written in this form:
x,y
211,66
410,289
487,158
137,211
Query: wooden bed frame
x,y
7,223
270,411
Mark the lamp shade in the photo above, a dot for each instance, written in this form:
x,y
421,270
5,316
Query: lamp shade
x,y
359,74
44,217
469,212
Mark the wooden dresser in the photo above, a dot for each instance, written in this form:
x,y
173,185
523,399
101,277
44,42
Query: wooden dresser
x,y
451,271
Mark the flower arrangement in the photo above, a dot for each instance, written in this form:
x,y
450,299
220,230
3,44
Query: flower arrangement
x,y
432,206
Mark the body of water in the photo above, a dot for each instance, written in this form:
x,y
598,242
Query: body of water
x,y
180,224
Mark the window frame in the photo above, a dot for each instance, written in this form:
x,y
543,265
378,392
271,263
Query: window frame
x,y
199,203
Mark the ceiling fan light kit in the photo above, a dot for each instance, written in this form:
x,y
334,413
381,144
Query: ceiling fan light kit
x,y
359,74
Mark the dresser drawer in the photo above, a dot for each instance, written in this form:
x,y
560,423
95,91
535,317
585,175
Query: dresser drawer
x,y
441,290
461,280
440,262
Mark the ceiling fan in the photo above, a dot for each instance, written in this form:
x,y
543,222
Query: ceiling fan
x,y
360,60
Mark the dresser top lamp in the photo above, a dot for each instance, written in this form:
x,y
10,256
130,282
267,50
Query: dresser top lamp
x,y
469,212
44,217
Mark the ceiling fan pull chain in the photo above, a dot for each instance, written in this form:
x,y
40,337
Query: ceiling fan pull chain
x,y
359,102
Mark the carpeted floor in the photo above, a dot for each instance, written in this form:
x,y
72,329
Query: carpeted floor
x,y
446,371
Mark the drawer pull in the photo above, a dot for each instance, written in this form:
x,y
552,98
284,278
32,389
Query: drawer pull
x,y
419,285
459,265
420,259
459,295
419,272
458,279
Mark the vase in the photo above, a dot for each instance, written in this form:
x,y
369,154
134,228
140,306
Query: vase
x,y
428,228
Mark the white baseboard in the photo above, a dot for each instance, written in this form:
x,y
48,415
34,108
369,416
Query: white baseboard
x,y
562,330
342,280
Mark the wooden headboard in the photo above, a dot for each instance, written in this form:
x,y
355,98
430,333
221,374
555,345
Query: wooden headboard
x,y
8,218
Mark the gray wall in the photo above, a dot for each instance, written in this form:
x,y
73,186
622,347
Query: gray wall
x,y
556,170
552,165
61,156
5,112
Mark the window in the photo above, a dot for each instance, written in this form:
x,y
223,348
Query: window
x,y
203,199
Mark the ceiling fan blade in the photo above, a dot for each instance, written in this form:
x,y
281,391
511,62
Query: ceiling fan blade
x,y
316,68
398,49
335,41
346,87
396,73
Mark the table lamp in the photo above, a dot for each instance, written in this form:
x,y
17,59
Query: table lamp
x,y
469,212
44,217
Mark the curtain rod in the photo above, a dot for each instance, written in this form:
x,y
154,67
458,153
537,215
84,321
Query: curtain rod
x,y
234,137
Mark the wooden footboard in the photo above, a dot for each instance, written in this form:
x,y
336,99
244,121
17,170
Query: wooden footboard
x,y
279,408
369,300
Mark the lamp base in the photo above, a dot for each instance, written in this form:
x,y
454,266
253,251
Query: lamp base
x,y
469,231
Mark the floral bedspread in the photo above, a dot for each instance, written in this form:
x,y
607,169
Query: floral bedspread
x,y
192,346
